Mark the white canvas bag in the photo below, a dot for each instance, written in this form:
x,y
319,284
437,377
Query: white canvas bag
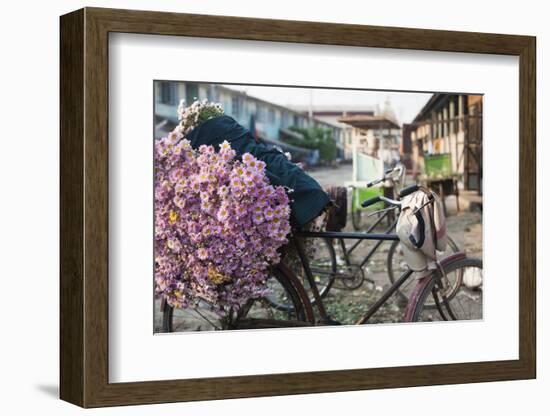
x,y
422,229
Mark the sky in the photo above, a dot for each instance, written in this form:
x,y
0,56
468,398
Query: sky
x,y
406,105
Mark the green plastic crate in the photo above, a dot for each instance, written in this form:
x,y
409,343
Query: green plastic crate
x,y
362,194
438,165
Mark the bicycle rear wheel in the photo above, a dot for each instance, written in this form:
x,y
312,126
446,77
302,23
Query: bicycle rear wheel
x,y
322,262
262,313
466,304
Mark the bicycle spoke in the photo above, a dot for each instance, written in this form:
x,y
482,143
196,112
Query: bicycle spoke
x,y
206,319
451,303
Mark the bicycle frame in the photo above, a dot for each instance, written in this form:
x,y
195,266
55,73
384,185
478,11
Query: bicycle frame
x,y
347,252
346,235
340,237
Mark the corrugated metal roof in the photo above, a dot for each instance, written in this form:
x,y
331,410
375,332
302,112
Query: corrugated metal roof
x,y
370,122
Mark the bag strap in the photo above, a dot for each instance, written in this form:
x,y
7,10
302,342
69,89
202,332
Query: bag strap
x,y
422,226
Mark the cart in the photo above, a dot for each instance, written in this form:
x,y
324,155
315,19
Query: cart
x,y
438,176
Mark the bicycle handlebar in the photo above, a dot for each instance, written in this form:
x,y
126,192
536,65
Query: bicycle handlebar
x,y
399,168
370,201
380,198
408,190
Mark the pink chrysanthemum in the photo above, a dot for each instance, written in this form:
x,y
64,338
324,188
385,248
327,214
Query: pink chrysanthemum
x,y
218,224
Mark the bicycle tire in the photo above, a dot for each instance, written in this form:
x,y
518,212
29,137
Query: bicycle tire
x,y
393,275
323,289
356,212
298,315
447,309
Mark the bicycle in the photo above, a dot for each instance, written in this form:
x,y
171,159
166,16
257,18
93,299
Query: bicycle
x,y
395,175
252,316
328,267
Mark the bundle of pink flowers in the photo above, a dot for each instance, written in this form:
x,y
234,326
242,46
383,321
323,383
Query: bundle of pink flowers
x,y
218,225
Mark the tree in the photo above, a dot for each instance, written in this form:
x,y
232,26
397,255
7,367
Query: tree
x,y
316,138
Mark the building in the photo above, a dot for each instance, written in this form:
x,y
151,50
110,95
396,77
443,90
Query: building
x,y
332,114
378,136
270,122
448,124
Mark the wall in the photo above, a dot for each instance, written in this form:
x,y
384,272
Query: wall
x,y
29,217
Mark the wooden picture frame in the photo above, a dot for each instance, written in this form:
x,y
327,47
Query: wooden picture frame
x,y
84,207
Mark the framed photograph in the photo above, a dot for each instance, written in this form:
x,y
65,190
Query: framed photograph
x,y
255,207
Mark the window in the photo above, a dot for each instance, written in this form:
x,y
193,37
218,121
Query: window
x,y
285,119
260,114
167,93
236,106
213,93
191,93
